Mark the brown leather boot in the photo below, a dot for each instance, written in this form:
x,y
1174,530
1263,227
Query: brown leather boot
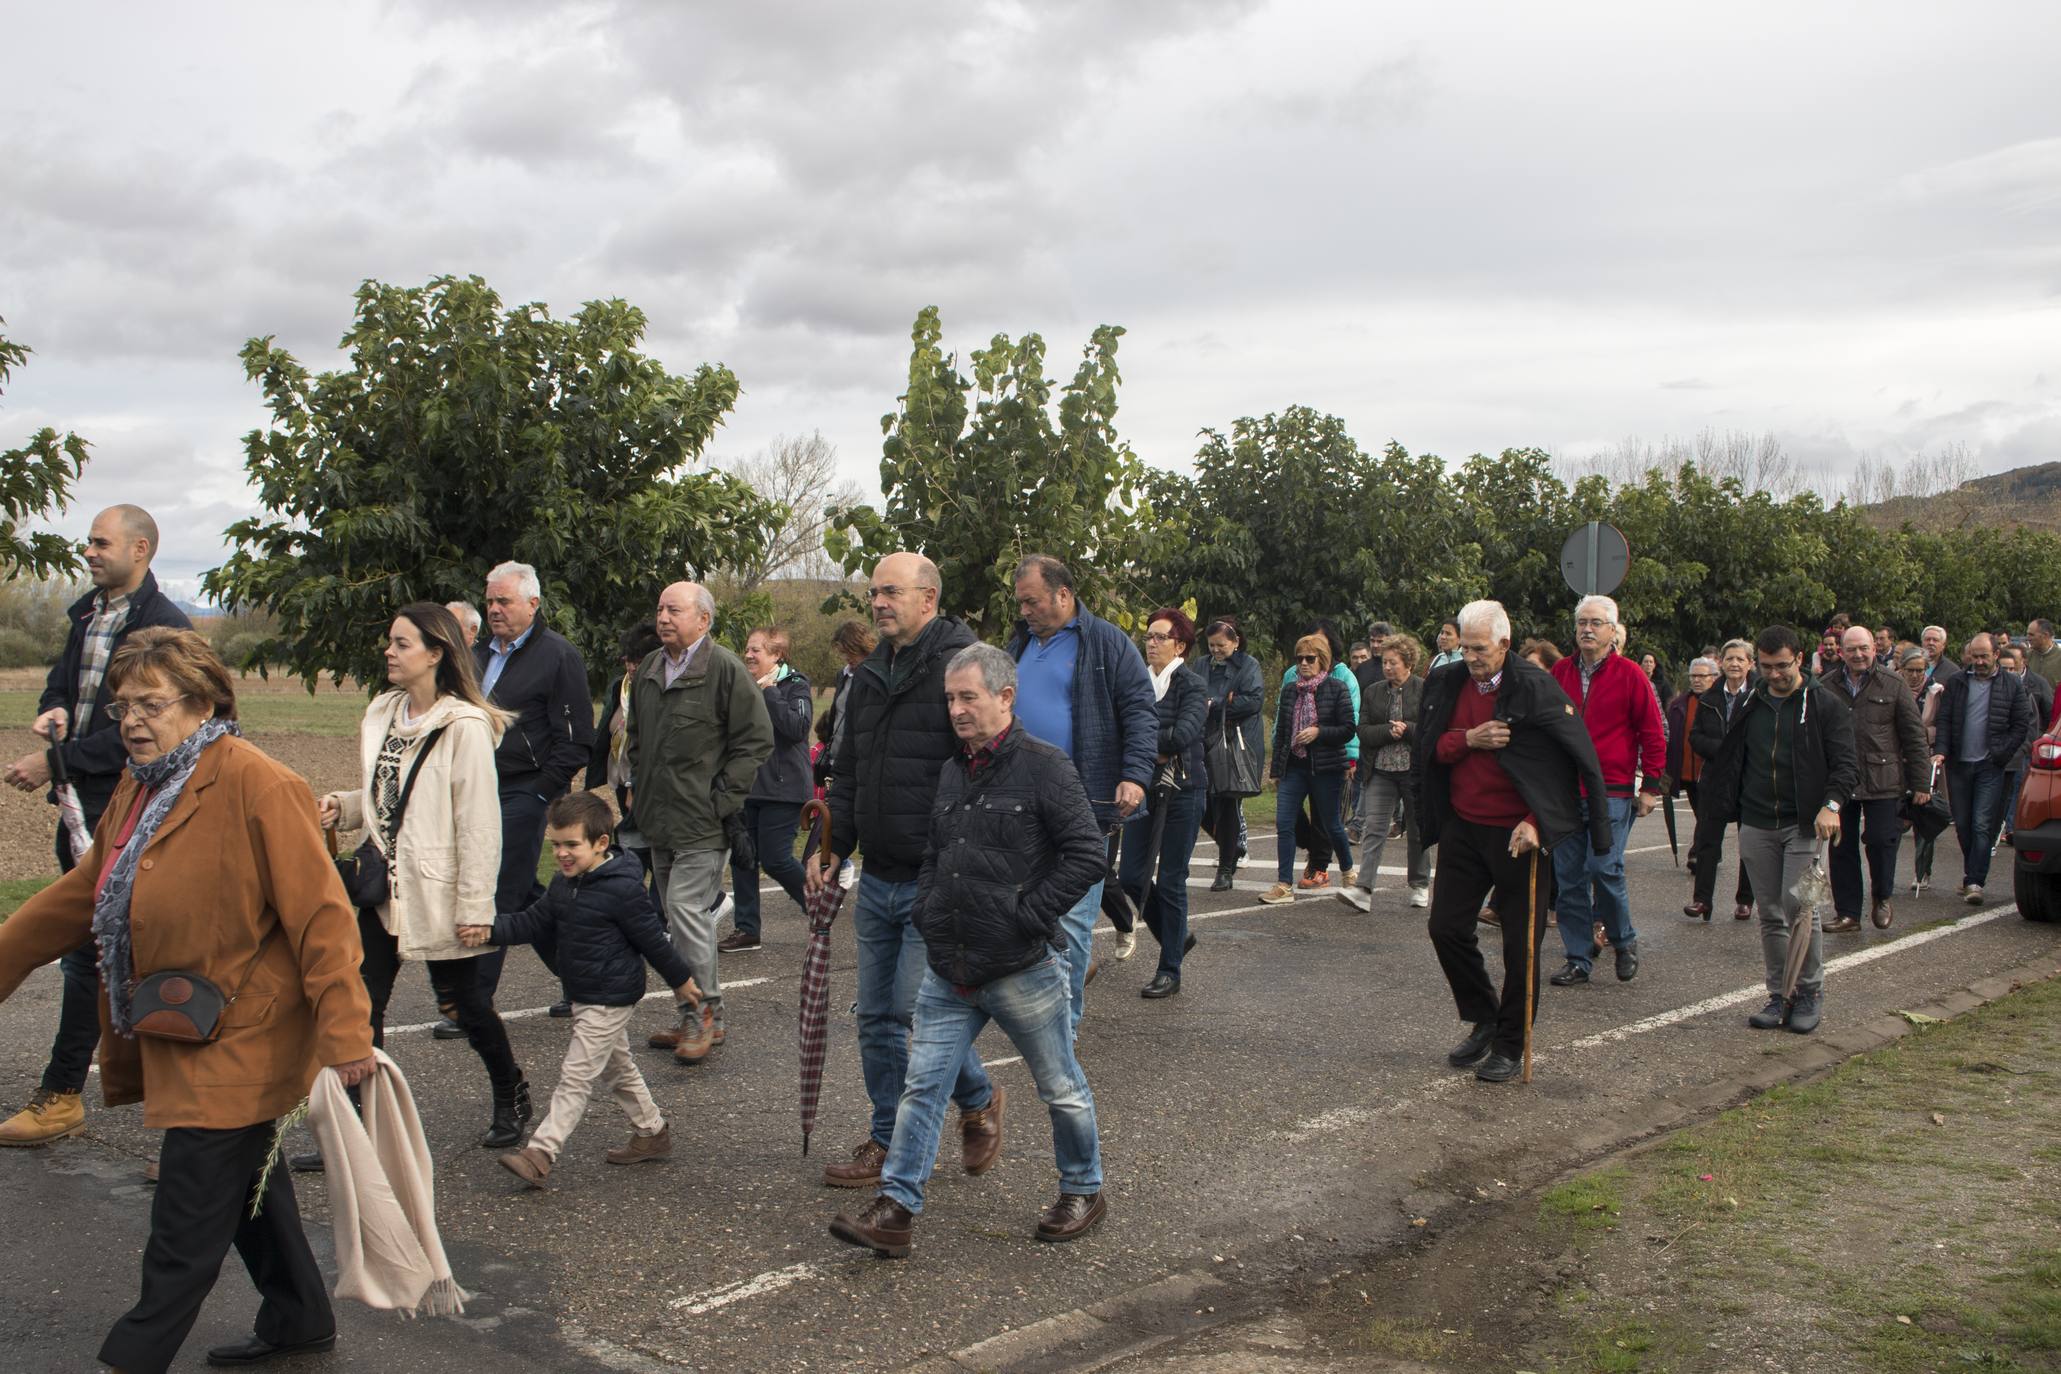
x,y
883,1227
644,1149
980,1136
1882,913
861,1171
670,1039
697,1038
1074,1215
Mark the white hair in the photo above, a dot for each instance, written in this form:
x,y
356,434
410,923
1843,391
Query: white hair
x,y
522,574
997,670
1708,665
1604,603
1485,614
467,613
705,600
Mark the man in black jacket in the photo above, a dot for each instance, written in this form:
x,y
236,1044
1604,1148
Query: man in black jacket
x,y
1784,772
896,737
1012,845
1717,707
1502,762
73,711
533,672
1984,719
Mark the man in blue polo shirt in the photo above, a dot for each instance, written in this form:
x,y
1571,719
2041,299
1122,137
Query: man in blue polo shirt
x,y
1082,686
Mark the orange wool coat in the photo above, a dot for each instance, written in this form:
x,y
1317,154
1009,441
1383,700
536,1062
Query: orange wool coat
x,y
239,855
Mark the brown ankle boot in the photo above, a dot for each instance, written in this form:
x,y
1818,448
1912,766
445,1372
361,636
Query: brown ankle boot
x,y
980,1136
861,1171
644,1149
883,1227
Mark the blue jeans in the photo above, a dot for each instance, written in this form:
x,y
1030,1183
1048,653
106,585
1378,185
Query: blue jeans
x,y
773,825
1592,887
1165,907
1299,780
1031,1008
1078,926
1976,794
891,965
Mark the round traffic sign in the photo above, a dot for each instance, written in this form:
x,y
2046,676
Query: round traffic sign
x,y
1595,559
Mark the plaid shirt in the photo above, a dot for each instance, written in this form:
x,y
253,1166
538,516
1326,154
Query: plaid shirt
x,y
108,615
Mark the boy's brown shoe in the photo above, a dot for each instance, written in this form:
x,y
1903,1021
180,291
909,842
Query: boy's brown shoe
x,y
529,1164
643,1149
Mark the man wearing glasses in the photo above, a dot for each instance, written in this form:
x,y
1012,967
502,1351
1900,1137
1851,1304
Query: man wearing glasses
x,y
75,717
1622,715
1784,772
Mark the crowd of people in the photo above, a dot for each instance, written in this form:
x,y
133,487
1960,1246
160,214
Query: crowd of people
x,y
989,803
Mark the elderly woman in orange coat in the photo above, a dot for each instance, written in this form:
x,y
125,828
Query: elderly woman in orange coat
x,y
208,862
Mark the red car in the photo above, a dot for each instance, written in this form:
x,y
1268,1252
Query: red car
x,y
2036,833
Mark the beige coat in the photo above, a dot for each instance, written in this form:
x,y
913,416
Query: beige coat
x,y
450,842
238,858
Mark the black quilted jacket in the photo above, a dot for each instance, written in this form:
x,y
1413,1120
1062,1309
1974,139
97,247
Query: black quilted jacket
x,y
1011,849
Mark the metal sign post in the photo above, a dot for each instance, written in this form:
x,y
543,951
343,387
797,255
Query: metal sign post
x,y
1595,559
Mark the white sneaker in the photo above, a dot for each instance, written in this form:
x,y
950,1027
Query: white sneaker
x,y
1126,943
1356,897
1420,897
724,909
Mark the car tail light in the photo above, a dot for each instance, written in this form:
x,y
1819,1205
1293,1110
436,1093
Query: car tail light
x,y
2033,856
2046,752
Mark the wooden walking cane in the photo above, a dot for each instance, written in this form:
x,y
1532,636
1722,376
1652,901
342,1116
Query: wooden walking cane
x,y
1531,946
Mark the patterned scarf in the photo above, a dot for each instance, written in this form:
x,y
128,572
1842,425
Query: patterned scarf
x,y
1305,713
164,779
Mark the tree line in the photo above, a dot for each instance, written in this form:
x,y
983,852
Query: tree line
x,y
460,432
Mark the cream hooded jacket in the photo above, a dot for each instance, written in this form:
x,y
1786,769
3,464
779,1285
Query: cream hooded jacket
x,y
449,848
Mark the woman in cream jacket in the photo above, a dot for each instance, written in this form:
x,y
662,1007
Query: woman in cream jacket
x,y
447,854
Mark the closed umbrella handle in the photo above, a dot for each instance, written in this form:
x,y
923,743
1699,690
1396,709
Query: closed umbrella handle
x,y
816,814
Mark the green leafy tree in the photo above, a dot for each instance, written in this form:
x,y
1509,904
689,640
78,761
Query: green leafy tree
x,y
461,435
978,472
36,483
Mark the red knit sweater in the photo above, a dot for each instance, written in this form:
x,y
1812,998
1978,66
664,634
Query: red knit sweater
x,y
1623,718
1481,791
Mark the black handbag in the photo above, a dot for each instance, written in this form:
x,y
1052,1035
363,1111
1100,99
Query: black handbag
x,y
367,873
1931,820
180,1004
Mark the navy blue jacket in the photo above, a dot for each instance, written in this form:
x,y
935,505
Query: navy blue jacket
x,y
552,736
787,775
2011,724
1181,713
96,759
606,928
1115,719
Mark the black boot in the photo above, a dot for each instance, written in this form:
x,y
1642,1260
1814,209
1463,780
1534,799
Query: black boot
x,y
512,1112
1223,880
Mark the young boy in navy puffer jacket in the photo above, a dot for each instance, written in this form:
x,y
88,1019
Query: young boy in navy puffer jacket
x,y
606,927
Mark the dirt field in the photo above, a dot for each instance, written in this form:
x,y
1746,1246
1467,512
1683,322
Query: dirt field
x,y
315,736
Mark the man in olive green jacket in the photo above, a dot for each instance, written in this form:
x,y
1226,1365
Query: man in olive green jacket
x,y
697,733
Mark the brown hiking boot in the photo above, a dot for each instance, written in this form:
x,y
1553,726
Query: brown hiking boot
x,y
49,1116
643,1149
529,1164
1072,1216
980,1136
670,1039
883,1227
697,1038
861,1171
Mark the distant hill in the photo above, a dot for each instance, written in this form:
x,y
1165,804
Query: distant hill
x,y
2029,496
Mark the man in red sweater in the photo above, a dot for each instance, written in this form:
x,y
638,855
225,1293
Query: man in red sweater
x,y
1622,715
1500,763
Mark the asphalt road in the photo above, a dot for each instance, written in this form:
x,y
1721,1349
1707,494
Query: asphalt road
x,y
1274,1118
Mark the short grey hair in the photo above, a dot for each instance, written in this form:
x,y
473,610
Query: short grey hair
x,y
1708,665
1930,628
705,600
997,669
522,574
467,613
1608,607
1488,614
1745,645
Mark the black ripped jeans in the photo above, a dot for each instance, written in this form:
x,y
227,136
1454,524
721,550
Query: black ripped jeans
x,y
461,990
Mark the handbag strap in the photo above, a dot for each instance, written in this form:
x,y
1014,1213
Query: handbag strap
x,y
393,826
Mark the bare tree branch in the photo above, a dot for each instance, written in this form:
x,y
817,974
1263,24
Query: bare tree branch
x,y
800,474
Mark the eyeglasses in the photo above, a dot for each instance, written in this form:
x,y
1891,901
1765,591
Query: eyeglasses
x,y
1305,658
150,709
1151,638
1591,624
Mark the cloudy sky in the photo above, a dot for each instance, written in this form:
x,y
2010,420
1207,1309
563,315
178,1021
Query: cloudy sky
x,y
1462,227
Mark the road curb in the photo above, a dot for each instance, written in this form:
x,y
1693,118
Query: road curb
x,y
1188,1302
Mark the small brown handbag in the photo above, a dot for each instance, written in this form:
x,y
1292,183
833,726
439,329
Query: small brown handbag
x,y
180,1004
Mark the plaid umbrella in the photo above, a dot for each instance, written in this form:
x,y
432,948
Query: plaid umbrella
x,y
1811,891
822,905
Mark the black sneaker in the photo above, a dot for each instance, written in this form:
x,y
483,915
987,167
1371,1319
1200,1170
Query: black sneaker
x,y
1570,974
1627,961
309,1163
1498,1068
1771,1016
1474,1047
1806,1011
558,1011
737,942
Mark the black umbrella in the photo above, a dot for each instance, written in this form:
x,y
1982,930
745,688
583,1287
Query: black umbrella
x,y
1667,813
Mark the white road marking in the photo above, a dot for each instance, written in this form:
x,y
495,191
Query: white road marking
x,y
998,1063
694,1304
527,1012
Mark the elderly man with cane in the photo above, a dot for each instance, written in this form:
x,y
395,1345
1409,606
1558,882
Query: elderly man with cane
x,y
1501,761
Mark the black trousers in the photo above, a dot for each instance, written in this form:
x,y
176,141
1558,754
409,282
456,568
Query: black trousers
x,y
78,1010
1220,823
1115,904
1878,827
522,843
1704,863
1473,861
201,1208
461,990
